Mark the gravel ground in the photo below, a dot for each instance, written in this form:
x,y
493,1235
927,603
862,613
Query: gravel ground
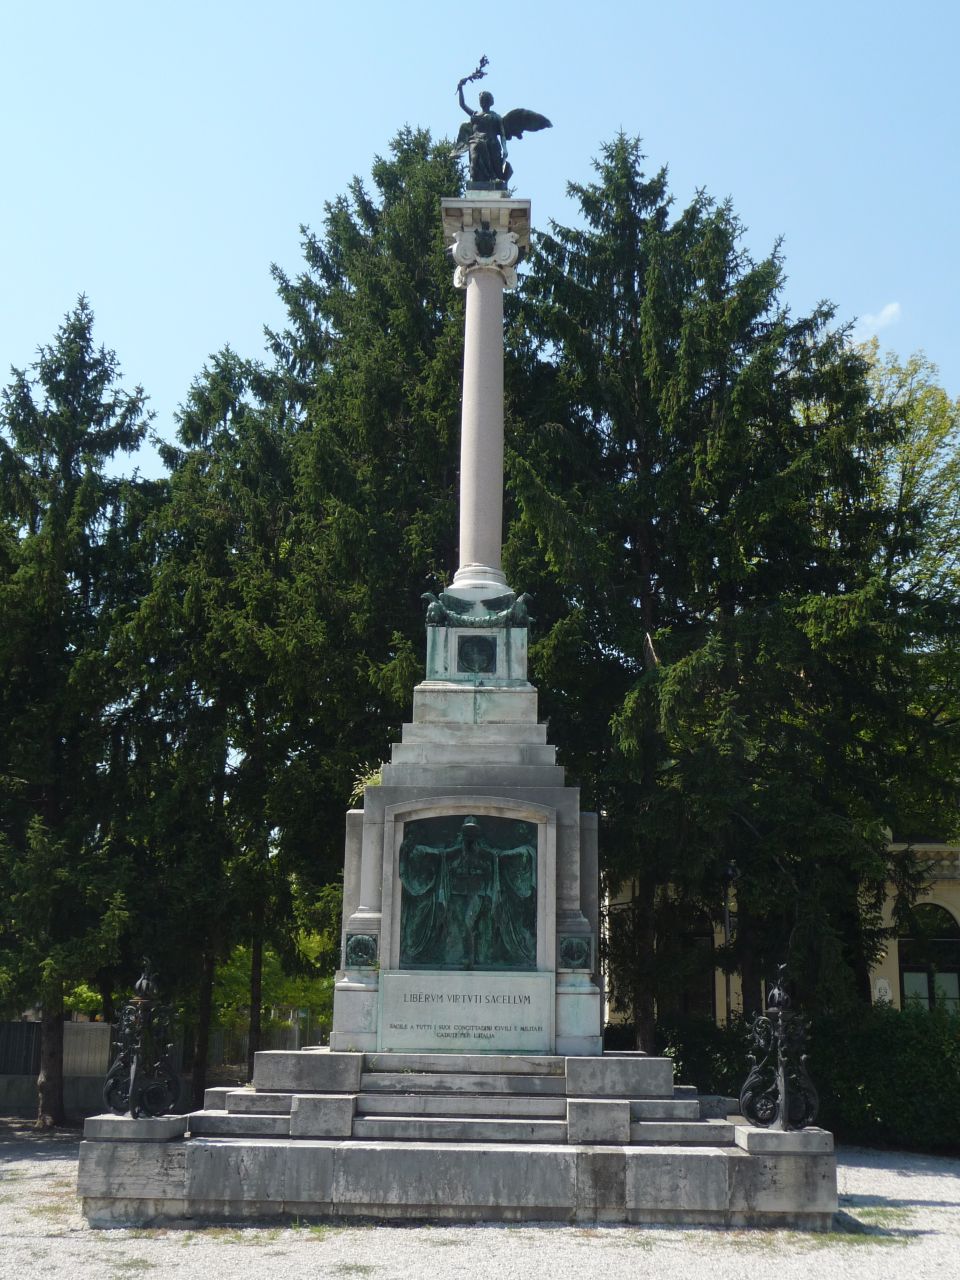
x,y
899,1214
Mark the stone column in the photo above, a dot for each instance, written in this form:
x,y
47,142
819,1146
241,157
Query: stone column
x,y
487,236
481,432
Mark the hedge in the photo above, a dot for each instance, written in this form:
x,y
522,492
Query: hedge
x,y
885,1077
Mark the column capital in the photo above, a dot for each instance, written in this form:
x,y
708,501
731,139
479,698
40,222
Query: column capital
x,y
486,231
483,249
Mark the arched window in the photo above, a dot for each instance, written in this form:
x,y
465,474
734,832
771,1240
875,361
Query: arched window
x,y
930,960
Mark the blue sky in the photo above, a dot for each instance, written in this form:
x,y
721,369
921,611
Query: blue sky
x,y
159,158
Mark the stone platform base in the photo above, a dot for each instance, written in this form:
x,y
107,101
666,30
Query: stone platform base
x,y
456,1137
219,1180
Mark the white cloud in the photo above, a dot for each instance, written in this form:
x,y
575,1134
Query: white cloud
x,y
874,322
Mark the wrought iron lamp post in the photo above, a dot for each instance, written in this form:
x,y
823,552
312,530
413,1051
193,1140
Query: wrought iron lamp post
x,y
142,1080
778,1093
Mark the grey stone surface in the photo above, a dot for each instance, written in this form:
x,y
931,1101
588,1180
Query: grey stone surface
x,y
601,1185
706,1133
451,733
794,1142
322,1115
779,1184
238,1124
471,705
616,1077
220,1180
598,1121
665,1109
481,1063
589,872
278,1071
714,1106
462,1104
452,1179
579,1017
132,1170
499,1011
458,1082
308,1176
458,1129
245,1100
658,1179
235,1172
439,753
215,1099
476,777
113,1128
897,1210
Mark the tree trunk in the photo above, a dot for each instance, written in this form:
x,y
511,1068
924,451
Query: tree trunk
x,y
256,997
201,1041
751,966
644,937
107,1009
50,1110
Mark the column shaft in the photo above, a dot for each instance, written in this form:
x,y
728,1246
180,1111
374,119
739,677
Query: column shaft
x,y
481,439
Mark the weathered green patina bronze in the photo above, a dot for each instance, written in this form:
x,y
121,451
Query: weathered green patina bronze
x,y
469,898
484,137
448,610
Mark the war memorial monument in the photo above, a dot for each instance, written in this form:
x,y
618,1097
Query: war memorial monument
x,y
465,1077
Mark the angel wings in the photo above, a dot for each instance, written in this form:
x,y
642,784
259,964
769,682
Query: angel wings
x,y
484,137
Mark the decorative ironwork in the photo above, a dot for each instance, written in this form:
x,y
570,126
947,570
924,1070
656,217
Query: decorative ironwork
x,y
142,1080
778,1093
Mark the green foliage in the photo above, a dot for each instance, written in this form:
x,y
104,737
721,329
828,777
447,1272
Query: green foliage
x,y
890,1077
885,1077
232,990
711,1057
67,568
737,650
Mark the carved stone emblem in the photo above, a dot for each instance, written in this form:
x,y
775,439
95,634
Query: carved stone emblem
x,y
575,952
361,950
484,247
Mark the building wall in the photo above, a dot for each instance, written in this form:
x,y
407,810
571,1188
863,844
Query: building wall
x,y
944,891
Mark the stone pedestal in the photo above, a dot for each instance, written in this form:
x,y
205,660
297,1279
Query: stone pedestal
x,y
473,751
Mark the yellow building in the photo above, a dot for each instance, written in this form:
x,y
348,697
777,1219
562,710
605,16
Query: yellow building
x,y
915,971
921,971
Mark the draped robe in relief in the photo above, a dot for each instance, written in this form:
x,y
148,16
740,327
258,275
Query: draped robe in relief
x,y
467,898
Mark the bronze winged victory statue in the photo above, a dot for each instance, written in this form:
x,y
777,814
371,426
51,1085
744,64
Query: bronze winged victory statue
x,y
484,137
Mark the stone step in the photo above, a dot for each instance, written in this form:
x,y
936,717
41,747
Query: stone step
x,y
460,1105
248,1100
664,1109
698,1133
452,732
232,1125
440,701
439,754
507,1064
458,1082
448,1129
452,773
